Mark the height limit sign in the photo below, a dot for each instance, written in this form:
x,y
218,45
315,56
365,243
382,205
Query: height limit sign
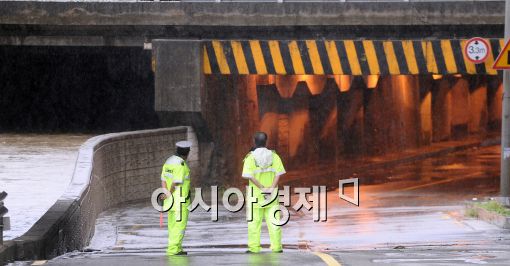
x,y
477,50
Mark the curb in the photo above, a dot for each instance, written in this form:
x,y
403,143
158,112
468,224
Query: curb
x,y
490,217
7,251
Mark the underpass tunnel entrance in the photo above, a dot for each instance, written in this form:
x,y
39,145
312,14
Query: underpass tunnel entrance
x,y
323,124
320,124
76,89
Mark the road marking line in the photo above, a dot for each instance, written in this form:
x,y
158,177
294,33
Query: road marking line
x,y
428,184
328,259
39,262
455,220
438,182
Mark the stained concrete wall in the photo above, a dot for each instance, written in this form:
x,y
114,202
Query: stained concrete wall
x,y
178,77
441,111
310,119
478,106
110,170
392,116
425,87
324,123
464,105
494,100
351,110
460,99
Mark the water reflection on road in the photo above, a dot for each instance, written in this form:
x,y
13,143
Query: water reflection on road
x,y
443,180
420,203
35,170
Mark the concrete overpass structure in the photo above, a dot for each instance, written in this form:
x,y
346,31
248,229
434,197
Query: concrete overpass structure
x,y
211,61
133,23
232,68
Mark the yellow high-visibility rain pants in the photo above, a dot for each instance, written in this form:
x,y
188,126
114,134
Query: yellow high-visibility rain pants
x,y
176,229
254,227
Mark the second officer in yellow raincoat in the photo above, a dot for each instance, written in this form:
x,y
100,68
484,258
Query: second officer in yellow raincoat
x,y
263,168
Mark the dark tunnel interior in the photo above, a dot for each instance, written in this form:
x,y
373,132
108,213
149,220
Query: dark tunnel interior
x,y
76,89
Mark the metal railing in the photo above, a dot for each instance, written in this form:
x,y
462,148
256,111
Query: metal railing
x,y
4,221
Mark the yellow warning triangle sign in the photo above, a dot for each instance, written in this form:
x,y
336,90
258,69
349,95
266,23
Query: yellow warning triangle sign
x,y
503,60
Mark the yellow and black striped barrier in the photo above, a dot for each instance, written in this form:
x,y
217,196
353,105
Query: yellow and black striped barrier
x,y
343,57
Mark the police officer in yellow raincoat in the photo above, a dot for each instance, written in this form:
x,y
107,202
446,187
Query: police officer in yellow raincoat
x,y
263,168
176,178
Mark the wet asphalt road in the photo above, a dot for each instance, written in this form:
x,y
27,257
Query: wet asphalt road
x,y
414,218
196,257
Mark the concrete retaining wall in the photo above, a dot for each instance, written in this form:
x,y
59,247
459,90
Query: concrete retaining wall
x,y
110,170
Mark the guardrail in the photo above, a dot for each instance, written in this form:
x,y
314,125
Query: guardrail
x,y
4,221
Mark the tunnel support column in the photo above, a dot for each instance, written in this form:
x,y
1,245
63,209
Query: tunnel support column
x,y
505,127
179,79
178,75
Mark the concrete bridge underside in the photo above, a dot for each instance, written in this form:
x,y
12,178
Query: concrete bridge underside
x,y
350,116
132,24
